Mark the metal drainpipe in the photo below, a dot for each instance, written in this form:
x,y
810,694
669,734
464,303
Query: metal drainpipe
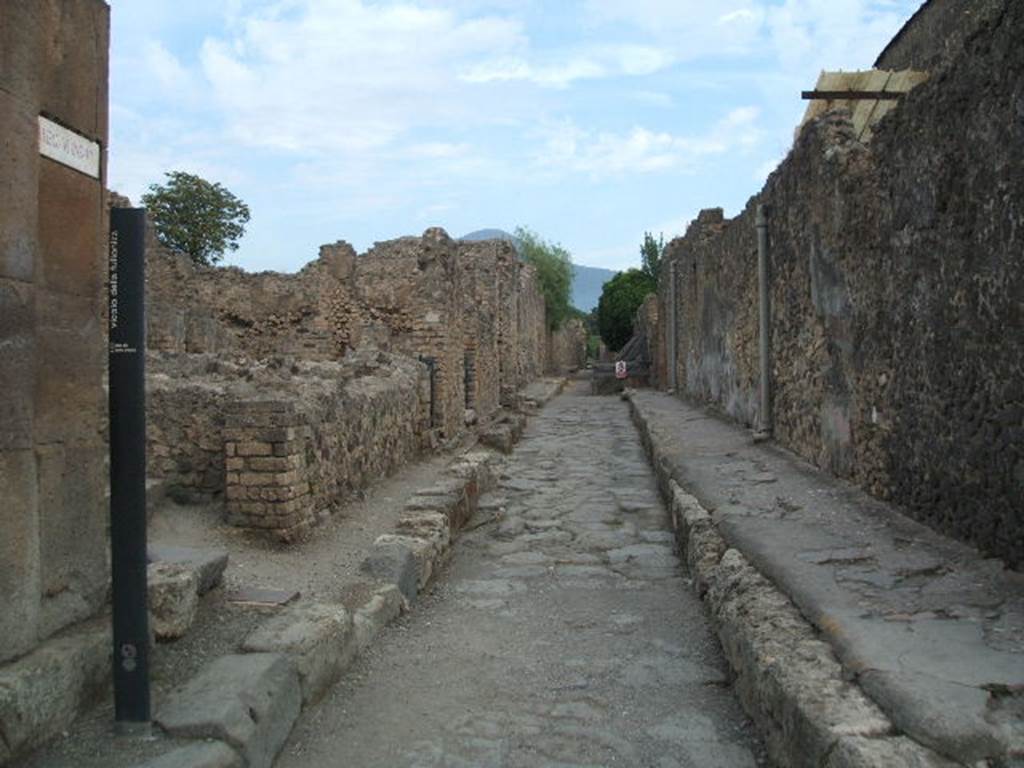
x,y
764,431
672,327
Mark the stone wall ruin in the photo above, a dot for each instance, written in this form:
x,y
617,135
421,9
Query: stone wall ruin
x,y
897,289
288,392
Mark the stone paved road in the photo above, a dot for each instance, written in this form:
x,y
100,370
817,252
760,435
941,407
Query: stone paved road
x,y
563,635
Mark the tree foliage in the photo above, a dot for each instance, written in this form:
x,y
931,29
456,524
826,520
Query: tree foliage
x,y
195,216
619,302
650,254
554,272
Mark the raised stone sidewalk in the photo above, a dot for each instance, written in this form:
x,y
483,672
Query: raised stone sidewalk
x,y
858,636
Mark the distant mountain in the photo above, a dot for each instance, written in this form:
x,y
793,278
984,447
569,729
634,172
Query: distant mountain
x,y
586,281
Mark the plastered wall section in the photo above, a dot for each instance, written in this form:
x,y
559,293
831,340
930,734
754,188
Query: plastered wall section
x,y
53,61
897,290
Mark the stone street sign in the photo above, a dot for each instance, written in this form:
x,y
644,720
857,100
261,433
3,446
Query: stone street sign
x,y
68,148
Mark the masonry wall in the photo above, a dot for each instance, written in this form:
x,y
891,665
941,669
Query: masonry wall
x,y
567,348
283,441
52,407
897,288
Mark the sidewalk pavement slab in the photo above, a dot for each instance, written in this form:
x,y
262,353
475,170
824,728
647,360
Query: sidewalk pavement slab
x,y
932,631
209,564
249,701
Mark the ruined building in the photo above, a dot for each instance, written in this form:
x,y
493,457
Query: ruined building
x,y
896,285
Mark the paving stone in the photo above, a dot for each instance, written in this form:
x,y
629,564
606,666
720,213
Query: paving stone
x,y
213,754
210,563
173,598
317,636
249,701
427,553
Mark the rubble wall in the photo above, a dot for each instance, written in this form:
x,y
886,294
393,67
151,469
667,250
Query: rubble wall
x,y
567,348
53,226
286,441
897,290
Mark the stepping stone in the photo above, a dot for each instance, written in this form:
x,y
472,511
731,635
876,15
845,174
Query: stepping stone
x,y
208,563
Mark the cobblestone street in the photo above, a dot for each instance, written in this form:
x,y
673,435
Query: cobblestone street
x,y
563,632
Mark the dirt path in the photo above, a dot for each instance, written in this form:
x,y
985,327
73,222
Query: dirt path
x,y
562,635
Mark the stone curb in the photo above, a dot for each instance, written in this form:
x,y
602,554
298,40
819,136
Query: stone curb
x,y
788,680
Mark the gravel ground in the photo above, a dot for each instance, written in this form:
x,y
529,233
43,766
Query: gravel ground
x,y
562,634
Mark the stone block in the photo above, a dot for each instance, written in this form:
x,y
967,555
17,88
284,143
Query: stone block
x,y
393,563
43,692
249,701
173,599
72,532
254,449
19,215
17,364
19,553
317,636
73,85
71,232
426,552
69,399
208,564
212,754
386,605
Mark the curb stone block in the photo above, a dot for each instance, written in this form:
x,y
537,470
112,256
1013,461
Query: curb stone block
x,y
432,526
43,692
395,563
859,752
424,551
249,701
173,598
319,639
213,754
386,604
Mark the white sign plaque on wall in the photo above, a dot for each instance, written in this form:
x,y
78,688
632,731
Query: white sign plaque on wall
x,y
67,147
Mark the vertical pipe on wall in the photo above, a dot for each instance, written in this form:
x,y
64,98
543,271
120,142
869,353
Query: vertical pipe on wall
x,y
765,427
672,326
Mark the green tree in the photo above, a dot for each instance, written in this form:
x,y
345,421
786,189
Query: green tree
x,y
620,298
554,272
195,216
650,254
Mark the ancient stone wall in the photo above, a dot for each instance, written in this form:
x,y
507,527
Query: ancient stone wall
x,y
935,36
567,348
285,440
52,261
897,290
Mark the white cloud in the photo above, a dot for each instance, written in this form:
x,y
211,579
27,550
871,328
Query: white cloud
x,y
640,150
585,64
346,75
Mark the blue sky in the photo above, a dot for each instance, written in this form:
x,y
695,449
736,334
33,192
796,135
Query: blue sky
x,y
589,121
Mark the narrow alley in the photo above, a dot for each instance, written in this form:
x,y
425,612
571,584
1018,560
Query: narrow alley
x,y
563,632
